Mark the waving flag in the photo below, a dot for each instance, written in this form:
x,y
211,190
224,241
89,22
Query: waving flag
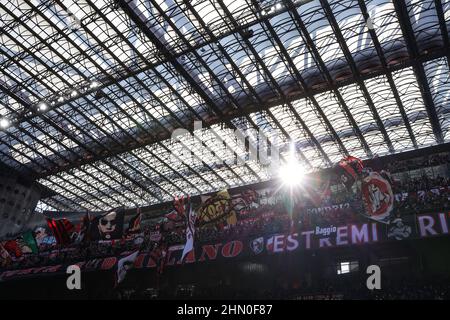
x,y
124,265
378,197
217,210
190,232
27,243
134,226
107,226
62,229
349,170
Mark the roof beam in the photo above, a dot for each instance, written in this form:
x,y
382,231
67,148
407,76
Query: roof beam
x,y
109,80
321,65
262,105
51,161
162,104
443,25
389,77
128,177
275,84
136,143
176,64
82,145
303,87
408,33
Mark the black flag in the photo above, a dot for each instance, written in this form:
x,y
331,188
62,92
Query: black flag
x,y
107,226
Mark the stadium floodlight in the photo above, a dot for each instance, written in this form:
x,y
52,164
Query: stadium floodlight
x,y
4,123
292,172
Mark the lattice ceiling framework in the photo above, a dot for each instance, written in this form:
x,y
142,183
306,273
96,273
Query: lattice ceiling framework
x,y
118,77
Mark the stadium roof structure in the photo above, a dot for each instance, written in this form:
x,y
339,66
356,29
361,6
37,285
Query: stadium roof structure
x,y
91,91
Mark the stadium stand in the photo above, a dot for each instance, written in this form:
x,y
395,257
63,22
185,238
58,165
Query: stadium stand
x,y
225,149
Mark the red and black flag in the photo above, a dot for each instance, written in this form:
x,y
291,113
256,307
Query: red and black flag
x,y
350,170
134,226
62,229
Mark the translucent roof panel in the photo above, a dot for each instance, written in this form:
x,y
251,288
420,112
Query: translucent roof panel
x,y
134,102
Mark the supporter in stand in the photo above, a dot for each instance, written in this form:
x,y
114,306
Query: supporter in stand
x,y
393,289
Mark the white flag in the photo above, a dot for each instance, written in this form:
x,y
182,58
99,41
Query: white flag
x,y
124,265
190,232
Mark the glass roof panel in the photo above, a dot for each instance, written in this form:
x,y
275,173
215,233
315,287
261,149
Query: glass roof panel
x,y
118,79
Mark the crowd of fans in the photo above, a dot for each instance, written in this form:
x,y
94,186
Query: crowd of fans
x,y
276,222
56,255
421,183
418,163
413,195
264,216
246,228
